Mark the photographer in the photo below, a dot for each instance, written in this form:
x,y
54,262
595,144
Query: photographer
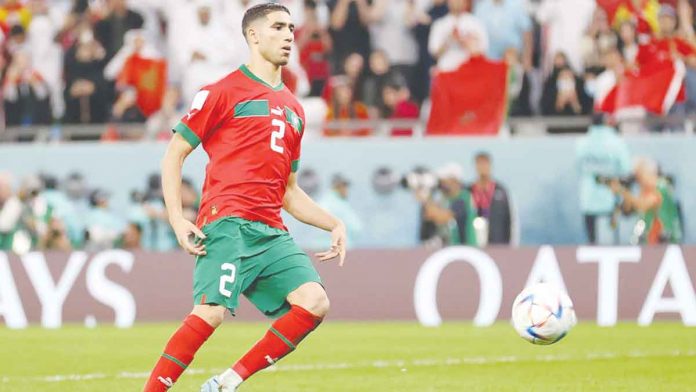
x,y
655,203
601,155
454,213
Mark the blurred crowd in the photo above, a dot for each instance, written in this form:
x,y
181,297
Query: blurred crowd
x,y
46,213
119,61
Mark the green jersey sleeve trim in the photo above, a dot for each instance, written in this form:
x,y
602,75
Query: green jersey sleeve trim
x,y
295,165
186,132
246,71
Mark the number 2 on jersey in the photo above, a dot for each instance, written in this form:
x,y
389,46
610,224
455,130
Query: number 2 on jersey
x,y
224,279
277,134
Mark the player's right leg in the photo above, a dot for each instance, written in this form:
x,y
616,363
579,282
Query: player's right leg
x,y
182,346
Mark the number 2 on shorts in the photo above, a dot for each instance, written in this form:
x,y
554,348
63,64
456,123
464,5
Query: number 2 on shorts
x,y
228,278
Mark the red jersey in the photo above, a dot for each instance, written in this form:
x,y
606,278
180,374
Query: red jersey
x,y
251,132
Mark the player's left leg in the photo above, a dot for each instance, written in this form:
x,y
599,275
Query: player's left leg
x,y
309,304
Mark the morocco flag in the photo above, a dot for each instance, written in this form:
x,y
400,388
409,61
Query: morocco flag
x,y
149,77
470,100
655,87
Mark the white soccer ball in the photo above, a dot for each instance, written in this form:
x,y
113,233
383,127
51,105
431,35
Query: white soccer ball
x,y
543,314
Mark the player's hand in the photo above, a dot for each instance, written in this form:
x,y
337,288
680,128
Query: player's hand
x,y
184,230
338,246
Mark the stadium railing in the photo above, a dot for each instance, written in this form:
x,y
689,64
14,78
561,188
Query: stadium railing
x,y
515,126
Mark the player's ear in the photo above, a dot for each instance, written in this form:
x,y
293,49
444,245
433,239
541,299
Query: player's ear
x,y
252,37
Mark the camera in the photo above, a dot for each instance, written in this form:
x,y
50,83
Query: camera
x,y
625,182
419,178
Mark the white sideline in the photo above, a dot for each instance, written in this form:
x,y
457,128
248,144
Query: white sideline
x,y
379,364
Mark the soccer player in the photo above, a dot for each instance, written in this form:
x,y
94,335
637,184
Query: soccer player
x,y
251,127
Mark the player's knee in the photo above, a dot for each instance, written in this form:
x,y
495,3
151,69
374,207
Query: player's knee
x,y
211,314
319,305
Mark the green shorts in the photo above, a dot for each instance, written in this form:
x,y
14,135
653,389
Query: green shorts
x,y
250,258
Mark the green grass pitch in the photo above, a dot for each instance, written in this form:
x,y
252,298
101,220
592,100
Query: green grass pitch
x,y
364,357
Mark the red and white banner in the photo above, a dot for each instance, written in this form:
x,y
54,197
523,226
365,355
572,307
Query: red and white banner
x,y
458,283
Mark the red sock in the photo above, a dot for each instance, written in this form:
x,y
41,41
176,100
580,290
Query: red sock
x,y
178,353
285,333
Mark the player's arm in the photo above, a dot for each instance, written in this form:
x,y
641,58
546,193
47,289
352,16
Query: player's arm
x,y
298,204
173,160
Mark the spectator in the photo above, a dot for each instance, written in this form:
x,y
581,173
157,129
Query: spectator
x,y
601,155
336,202
17,41
655,204
519,85
86,95
492,204
132,237
10,211
564,92
26,93
628,43
391,34
454,36
206,53
398,105
110,31
508,25
56,236
46,54
349,28
420,19
668,43
314,43
454,214
378,75
104,226
343,106
603,88
565,23
598,40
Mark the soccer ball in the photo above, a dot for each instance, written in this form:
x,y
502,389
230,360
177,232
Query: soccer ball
x,y
543,314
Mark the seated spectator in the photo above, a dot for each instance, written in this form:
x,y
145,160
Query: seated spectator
x,y
111,30
314,43
85,87
452,36
343,106
398,105
598,40
519,86
26,94
354,70
377,76
564,92
508,25
17,41
142,80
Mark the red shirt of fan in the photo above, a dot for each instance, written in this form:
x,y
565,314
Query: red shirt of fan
x,y
251,132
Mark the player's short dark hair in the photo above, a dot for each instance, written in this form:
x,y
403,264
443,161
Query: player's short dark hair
x,y
260,11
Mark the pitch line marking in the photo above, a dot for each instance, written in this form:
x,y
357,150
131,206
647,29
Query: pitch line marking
x,y
378,364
